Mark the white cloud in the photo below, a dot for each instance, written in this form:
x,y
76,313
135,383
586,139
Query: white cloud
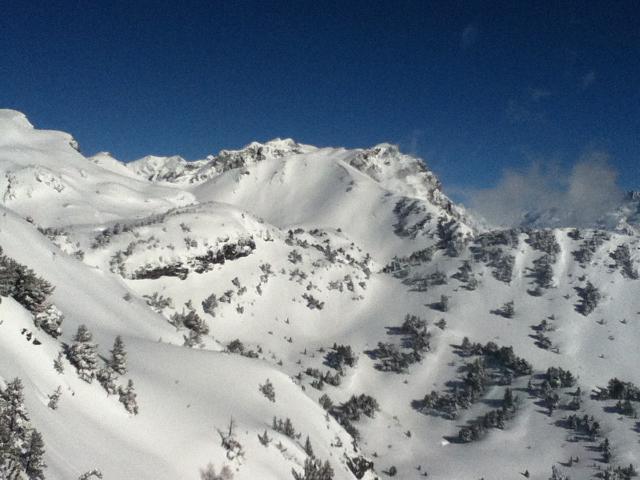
x,y
550,195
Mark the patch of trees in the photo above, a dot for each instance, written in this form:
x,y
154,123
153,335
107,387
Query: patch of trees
x,y
492,419
399,266
352,410
195,325
103,238
542,274
507,310
210,473
450,238
542,340
507,238
622,258
340,357
554,379
465,276
236,346
210,304
585,425
151,272
229,442
314,469
589,296
502,266
495,365
359,466
158,302
268,390
199,263
294,256
618,473
589,246
559,378
321,378
504,357
447,404
229,251
312,302
285,427
411,217
421,284
83,355
23,285
414,344
491,248
544,241
619,390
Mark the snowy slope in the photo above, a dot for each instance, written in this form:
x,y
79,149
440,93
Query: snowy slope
x,y
45,177
282,251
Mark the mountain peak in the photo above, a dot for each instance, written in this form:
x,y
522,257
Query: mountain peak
x,y
15,117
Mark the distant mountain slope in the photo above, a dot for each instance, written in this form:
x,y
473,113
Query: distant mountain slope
x,y
42,175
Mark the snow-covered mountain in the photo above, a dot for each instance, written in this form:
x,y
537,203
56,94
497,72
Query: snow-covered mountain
x,y
290,311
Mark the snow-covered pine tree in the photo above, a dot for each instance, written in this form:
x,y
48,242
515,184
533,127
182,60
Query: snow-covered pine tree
x,y
314,469
31,291
54,398
128,398
590,296
118,357
83,354
58,365
49,320
90,474
268,390
33,457
14,428
107,378
308,448
23,284
13,413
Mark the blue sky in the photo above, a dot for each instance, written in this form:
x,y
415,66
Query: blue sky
x,y
472,87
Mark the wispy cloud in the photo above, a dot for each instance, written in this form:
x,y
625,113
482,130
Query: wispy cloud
x,y
588,79
554,196
469,36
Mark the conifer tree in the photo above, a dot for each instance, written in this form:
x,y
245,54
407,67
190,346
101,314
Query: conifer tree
x,y
50,320
83,354
107,378
13,414
54,398
14,430
32,459
58,365
308,448
314,469
118,357
128,398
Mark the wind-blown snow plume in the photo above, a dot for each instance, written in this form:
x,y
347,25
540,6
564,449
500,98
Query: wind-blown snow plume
x,y
547,195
